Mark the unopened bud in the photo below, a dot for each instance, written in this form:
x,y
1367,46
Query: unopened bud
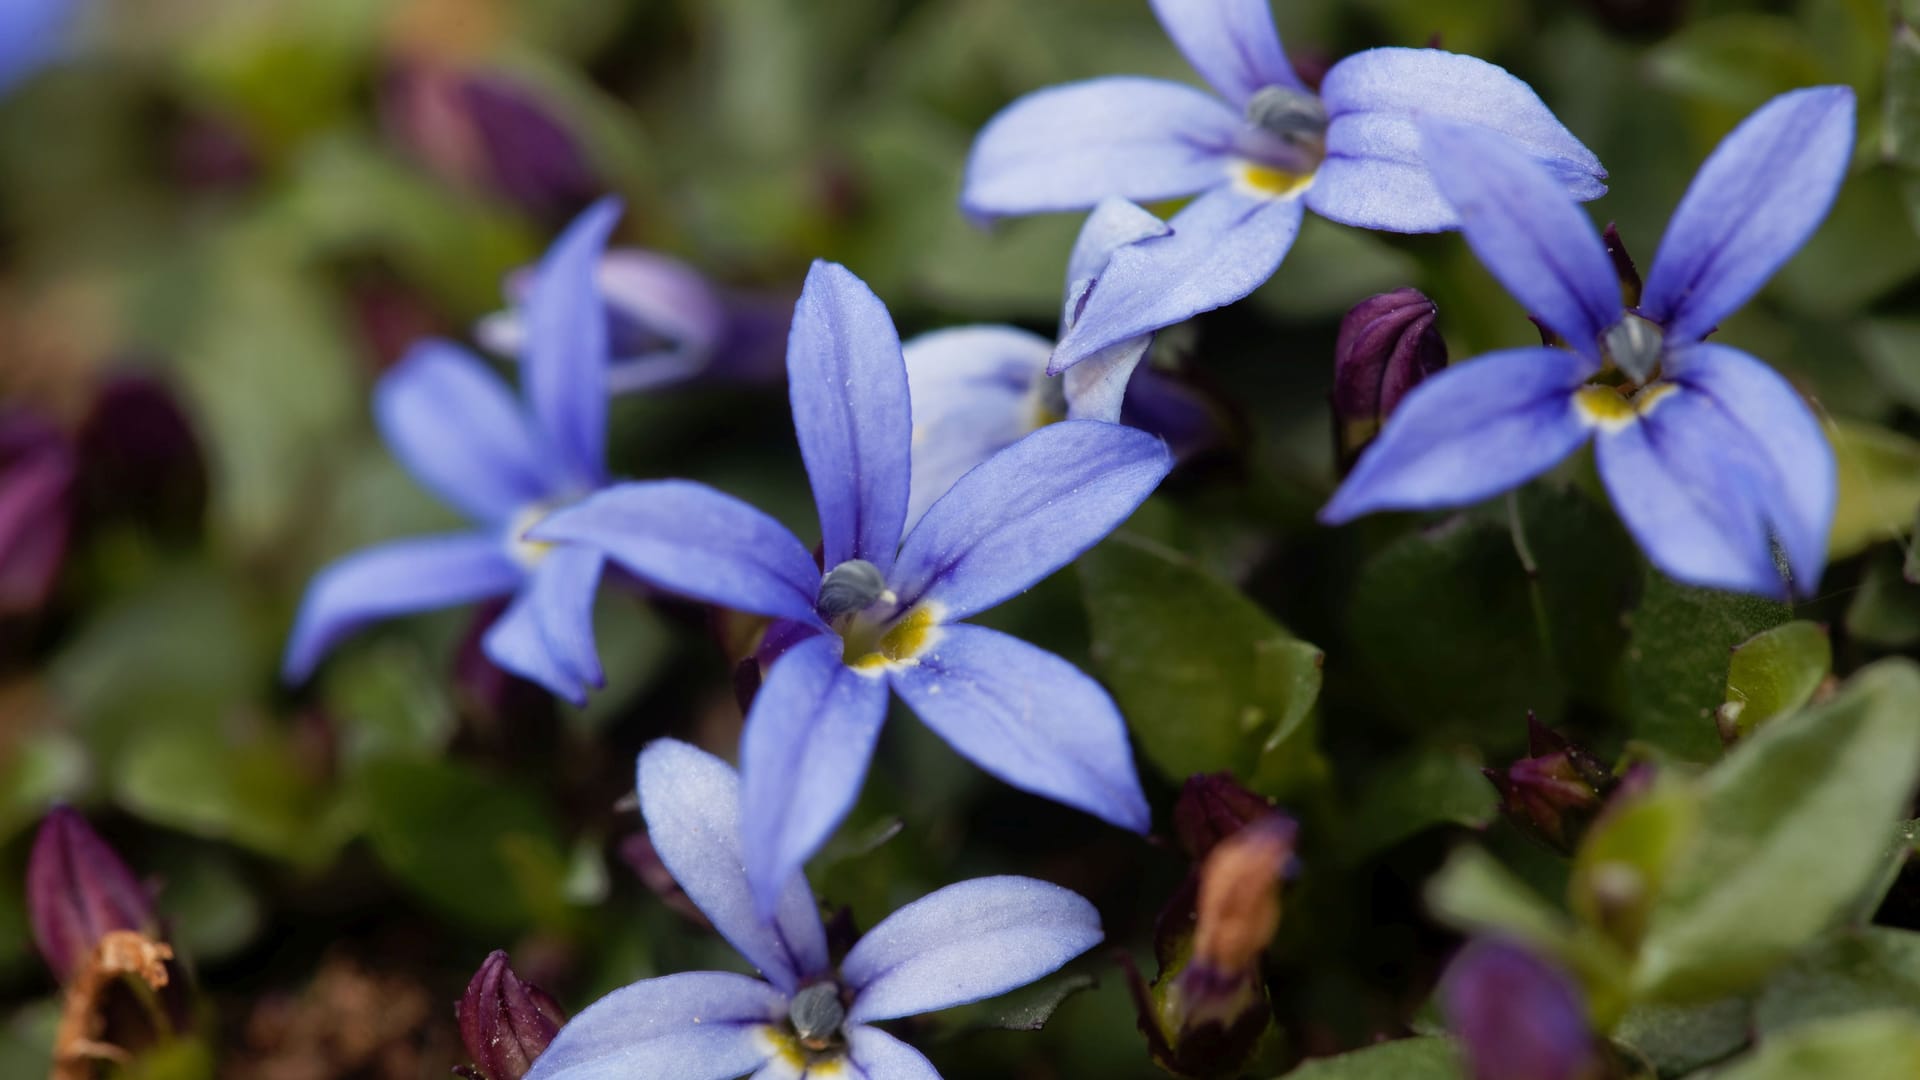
x,y
1556,791
36,498
140,459
1517,1017
1387,345
505,1023
1212,807
486,131
78,892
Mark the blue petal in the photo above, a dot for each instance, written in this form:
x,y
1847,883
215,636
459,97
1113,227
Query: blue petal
x,y
459,431
808,739
1231,43
1375,176
697,1025
1097,386
1112,225
1027,511
1690,486
565,369
966,942
1068,147
33,33
546,634
394,579
1029,718
1755,201
972,389
1798,499
691,802
1529,233
851,411
1224,245
1473,430
690,539
879,1056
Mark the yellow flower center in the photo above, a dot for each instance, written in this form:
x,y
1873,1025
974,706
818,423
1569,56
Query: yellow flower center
x,y
1606,408
528,553
872,647
1268,181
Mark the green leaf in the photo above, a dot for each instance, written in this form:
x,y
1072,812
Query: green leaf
x,y
1629,853
1873,1046
1794,825
1891,348
254,793
1416,791
1474,893
1773,672
1419,1058
1677,1039
1849,972
1674,672
1205,677
1026,1009
1885,609
1879,486
1738,61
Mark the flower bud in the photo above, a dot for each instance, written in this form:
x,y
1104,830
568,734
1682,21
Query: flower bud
x,y
78,892
37,470
504,1022
1212,807
139,457
1556,791
1386,346
1517,1017
484,130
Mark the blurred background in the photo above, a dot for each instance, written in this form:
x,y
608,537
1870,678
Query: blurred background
x,y
221,219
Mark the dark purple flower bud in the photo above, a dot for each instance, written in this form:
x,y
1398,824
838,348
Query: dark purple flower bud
x,y
79,891
487,131
1517,1017
504,1022
36,516
1212,807
1556,791
1387,345
1623,267
139,457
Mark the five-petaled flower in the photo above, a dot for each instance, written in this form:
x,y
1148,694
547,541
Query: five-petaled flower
x,y
457,428
1257,159
887,612
808,1018
1709,455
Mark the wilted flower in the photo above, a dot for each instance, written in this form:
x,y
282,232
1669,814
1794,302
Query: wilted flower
x,y
1387,345
505,1023
37,469
962,943
887,611
507,464
490,131
1517,1017
1709,455
1257,156
1554,792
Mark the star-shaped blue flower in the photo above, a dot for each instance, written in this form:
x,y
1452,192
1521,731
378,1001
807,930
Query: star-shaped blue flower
x,y
886,613
1709,455
506,464
808,1018
1258,155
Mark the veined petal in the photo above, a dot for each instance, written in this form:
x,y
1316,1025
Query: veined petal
x,y
1763,191
1375,176
546,634
1068,147
690,539
1025,512
1690,485
459,431
1097,386
808,739
1224,245
966,942
1474,430
1029,718
1112,225
1232,44
394,579
1799,499
852,413
879,1056
1527,231
565,369
972,389
697,1025
692,804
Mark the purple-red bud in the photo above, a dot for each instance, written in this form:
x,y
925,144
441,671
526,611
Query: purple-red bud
x,y
1517,1017
505,1022
78,891
37,469
487,131
1387,345
1212,807
139,457
1554,793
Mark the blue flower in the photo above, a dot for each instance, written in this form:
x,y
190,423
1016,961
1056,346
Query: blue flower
x,y
964,943
1258,156
1709,455
887,612
505,464
666,324
977,390
33,33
